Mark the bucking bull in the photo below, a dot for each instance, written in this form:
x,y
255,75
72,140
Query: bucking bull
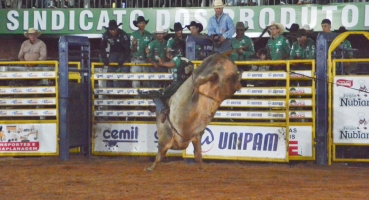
x,y
194,105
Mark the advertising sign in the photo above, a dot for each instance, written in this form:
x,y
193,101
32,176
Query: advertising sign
x,y
241,141
351,110
300,143
28,138
353,16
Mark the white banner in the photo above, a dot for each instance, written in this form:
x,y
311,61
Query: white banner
x,y
30,75
28,138
242,141
127,138
351,110
301,142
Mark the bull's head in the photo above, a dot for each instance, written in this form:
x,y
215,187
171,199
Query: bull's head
x,y
220,75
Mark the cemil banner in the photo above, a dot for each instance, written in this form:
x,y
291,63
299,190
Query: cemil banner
x,y
91,22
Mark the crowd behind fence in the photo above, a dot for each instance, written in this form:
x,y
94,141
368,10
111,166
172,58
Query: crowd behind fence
x,y
27,4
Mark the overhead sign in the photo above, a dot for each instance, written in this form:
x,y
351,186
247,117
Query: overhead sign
x,y
354,16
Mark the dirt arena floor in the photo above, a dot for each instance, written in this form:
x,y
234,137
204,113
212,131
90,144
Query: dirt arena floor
x,y
124,178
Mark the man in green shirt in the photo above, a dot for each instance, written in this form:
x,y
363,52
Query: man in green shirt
x,y
139,42
346,47
156,50
303,48
243,45
178,40
278,46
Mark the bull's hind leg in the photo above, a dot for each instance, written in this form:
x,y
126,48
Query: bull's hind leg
x,y
197,152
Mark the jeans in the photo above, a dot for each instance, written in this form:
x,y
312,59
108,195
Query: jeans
x,y
160,104
139,69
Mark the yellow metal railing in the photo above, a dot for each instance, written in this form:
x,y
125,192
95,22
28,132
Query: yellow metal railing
x,y
332,63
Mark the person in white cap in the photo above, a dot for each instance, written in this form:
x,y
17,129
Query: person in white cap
x,y
155,50
221,28
307,29
32,49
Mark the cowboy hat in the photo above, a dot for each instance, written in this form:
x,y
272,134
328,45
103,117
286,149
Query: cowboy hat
x,y
241,25
294,27
301,32
32,30
342,29
177,27
307,27
278,25
198,25
218,4
160,30
140,19
113,25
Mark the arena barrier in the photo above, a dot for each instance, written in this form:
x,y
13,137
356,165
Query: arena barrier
x,y
29,108
252,125
348,105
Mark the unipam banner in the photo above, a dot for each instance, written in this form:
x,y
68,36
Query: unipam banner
x,y
91,22
351,110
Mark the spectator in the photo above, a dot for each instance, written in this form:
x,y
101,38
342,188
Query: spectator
x,y
242,43
221,28
309,31
303,48
119,52
156,50
347,52
32,49
326,25
278,46
292,36
201,50
139,42
178,40
262,55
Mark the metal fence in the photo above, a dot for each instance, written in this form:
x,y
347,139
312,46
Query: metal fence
x,y
27,4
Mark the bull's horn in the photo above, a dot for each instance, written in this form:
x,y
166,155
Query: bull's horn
x,y
202,80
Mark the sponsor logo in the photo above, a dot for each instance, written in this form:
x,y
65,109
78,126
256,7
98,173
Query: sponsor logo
x,y
109,76
140,113
17,112
354,102
297,91
130,76
2,101
120,76
99,76
32,75
99,91
115,136
47,90
110,102
109,113
129,102
49,112
247,141
130,91
17,102
99,102
109,91
257,75
2,90
31,101
16,90
119,102
297,103
3,112
344,83
98,113
120,91
346,135
16,75
19,146
151,76
47,74
32,113
161,76
140,76
130,113
120,113
140,102
297,115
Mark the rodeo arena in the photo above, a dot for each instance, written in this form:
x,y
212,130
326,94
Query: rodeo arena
x,y
218,99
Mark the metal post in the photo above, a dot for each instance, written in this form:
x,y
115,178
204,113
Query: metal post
x,y
63,99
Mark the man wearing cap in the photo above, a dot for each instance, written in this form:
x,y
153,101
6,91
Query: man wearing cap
x,y
32,49
221,28
118,42
195,29
292,35
242,44
303,48
156,50
278,46
140,40
178,40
